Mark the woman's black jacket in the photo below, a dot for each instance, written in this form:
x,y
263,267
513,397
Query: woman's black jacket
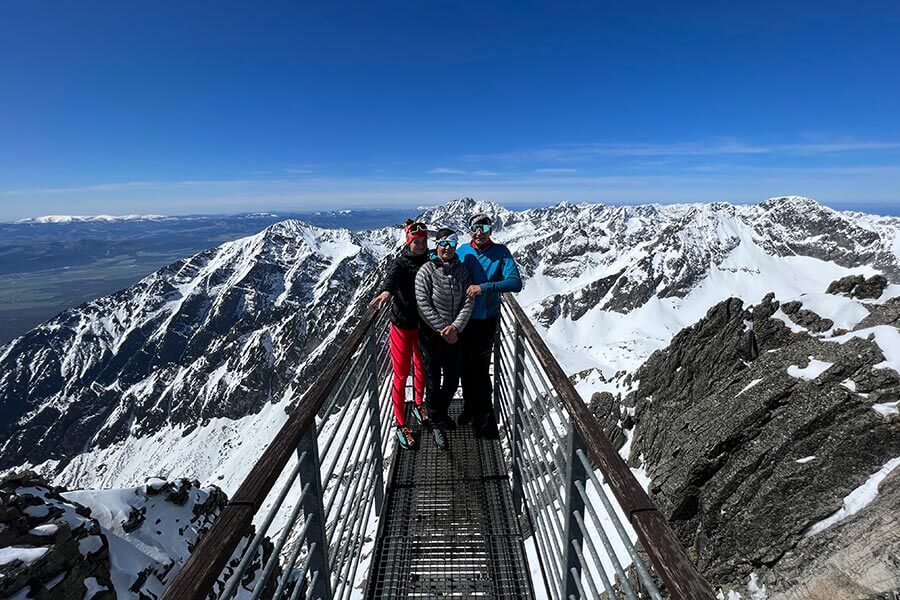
x,y
400,281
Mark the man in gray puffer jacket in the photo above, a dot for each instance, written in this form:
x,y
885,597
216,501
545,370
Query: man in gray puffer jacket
x,y
445,309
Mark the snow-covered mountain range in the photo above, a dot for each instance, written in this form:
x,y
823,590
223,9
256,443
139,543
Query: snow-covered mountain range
x,y
210,344
188,373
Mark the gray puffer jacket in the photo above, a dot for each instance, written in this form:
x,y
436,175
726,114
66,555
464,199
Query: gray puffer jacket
x,y
441,294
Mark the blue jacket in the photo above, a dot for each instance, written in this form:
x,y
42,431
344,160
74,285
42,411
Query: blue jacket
x,y
494,270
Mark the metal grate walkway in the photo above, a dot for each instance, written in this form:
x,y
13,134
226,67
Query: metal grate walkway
x,y
449,529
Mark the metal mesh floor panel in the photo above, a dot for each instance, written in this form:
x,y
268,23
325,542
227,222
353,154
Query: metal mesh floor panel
x,y
449,529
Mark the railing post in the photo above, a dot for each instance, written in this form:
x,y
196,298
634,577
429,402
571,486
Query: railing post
x,y
313,510
574,537
517,424
374,424
498,353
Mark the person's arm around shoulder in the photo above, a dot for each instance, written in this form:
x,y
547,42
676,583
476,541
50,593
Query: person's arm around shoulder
x,y
512,281
465,312
424,300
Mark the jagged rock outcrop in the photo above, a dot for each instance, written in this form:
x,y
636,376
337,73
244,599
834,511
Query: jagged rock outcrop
x,y
51,546
608,412
857,286
65,538
746,455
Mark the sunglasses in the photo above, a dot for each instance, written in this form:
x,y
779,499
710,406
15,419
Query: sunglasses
x,y
447,244
416,227
480,227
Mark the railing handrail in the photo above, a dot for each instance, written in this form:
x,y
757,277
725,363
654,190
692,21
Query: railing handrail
x,y
206,562
681,577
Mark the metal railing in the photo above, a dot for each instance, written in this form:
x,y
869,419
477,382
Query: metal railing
x,y
309,505
585,508
314,493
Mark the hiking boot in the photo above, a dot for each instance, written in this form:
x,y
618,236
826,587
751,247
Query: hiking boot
x,y
440,438
420,414
405,438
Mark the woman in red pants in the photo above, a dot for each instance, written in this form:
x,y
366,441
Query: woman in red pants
x,y
399,287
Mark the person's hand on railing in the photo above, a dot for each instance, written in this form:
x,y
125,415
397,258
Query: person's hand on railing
x,y
380,300
450,334
473,290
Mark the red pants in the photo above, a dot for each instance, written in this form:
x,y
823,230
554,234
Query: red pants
x,y
404,349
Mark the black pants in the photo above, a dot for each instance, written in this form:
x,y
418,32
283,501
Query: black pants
x,y
441,361
477,346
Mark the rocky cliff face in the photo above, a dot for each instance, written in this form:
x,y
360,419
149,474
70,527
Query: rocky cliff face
x,y
756,425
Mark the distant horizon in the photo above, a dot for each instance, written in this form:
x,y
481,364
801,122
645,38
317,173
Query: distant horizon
x,y
888,209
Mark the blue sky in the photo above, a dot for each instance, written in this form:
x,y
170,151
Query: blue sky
x,y
136,107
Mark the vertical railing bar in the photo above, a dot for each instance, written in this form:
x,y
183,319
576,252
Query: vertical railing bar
x,y
547,499
542,545
596,556
607,544
351,432
574,507
518,401
336,394
541,397
312,582
235,579
303,570
585,567
617,523
575,574
337,528
530,418
354,393
373,426
346,561
269,567
355,563
506,422
355,459
507,398
292,560
312,507
550,482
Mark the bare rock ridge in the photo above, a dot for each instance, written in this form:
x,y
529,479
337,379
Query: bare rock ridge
x,y
747,454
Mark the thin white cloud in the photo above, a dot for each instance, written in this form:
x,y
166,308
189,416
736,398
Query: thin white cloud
x,y
846,184
551,171
582,152
478,173
303,171
445,171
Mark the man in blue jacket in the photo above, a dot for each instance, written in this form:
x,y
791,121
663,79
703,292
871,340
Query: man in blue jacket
x,y
493,271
